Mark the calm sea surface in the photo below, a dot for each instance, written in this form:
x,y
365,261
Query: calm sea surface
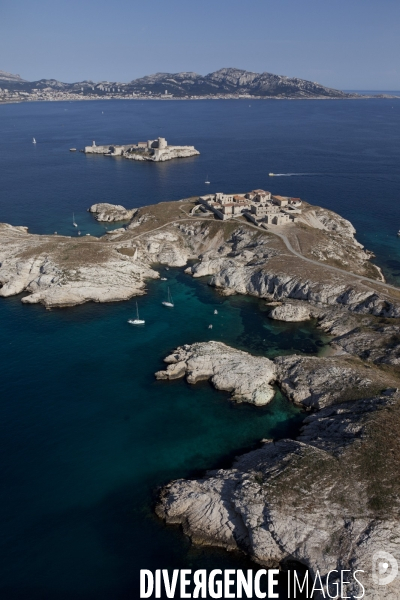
x,y
87,434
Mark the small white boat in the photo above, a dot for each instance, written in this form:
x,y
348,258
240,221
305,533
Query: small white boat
x,y
210,327
72,149
215,312
33,141
79,233
73,220
207,180
271,174
136,321
163,279
398,233
169,302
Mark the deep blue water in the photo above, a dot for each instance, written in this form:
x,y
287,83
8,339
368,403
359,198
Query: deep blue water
x,y
87,434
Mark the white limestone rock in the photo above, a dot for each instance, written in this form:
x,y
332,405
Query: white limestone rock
x,y
168,154
247,377
304,500
316,382
278,285
111,212
62,271
291,312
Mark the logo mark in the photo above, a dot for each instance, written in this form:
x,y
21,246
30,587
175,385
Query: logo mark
x,y
384,568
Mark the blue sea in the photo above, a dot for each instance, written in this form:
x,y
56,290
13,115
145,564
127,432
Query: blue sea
x,y
88,435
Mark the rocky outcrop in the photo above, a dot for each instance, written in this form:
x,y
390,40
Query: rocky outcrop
x,y
317,382
62,271
248,263
327,499
111,212
169,153
278,285
379,343
240,260
316,500
308,381
291,312
247,377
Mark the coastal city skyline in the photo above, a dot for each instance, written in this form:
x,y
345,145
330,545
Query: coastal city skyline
x,y
334,44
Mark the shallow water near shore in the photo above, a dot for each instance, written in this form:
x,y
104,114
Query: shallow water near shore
x,y
87,434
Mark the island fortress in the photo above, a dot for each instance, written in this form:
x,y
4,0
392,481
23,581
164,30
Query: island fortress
x,y
154,150
259,207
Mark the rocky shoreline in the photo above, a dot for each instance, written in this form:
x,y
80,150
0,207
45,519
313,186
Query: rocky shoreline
x,y
60,270
328,499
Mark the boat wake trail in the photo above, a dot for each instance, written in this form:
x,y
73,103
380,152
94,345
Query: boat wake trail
x,y
291,174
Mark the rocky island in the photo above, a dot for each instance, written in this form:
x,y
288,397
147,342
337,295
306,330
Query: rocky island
x,y
328,499
152,150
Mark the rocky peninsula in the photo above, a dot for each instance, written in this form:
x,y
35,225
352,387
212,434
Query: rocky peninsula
x,y
329,498
58,270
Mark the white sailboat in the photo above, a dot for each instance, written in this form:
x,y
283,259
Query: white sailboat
x,y
33,141
136,321
207,180
169,302
73,220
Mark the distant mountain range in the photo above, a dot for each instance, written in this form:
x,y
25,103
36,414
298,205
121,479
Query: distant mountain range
x,y
225,82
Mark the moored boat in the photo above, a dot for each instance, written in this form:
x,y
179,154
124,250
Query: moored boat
x,y
169,302
138,320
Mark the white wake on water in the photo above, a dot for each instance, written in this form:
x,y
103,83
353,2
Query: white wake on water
x,y
292,174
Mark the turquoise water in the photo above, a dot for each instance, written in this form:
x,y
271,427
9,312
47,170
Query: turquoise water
x,y
87,434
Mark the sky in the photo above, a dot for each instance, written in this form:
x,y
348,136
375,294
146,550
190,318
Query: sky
x,y
345,44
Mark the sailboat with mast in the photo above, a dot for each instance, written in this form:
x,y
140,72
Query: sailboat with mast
x,y
169,302
206,181
138,320
33,141
73,221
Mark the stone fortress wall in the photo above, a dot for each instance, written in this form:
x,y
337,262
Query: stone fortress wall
x,y
153,150
259,207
